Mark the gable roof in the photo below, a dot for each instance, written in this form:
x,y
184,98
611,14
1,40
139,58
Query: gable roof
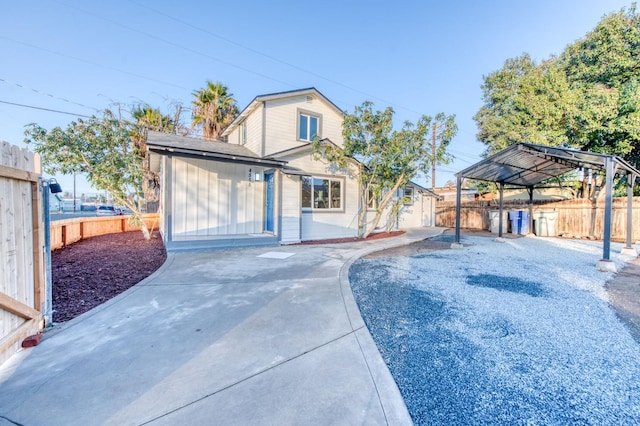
x,y
169,144
258,100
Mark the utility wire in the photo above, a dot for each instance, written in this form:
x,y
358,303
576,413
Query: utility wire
x,y
75,58
171,43
266,55
44,109
46,94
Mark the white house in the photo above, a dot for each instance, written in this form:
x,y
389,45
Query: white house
x,y
264,186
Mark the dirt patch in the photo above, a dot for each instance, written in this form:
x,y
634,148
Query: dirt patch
x,y
92,271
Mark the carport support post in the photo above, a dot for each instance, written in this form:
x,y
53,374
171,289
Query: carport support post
x,y
606,264
628,250
530,190
500,210
456,244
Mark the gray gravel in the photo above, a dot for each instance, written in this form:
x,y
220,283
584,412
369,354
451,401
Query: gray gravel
x,y
518,332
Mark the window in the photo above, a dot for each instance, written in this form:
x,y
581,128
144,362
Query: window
x,y
242,133
321,193
407,196
308,126
372,200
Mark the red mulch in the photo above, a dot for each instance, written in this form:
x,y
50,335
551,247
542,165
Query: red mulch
x,y
92,271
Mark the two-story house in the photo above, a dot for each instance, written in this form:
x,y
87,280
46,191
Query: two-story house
x,y
264,186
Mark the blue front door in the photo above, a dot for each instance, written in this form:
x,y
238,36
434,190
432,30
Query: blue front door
x,y
269,179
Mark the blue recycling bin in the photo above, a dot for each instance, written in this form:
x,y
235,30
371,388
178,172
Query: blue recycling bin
x,y
519,222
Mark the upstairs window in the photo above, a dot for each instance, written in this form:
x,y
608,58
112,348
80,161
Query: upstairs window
x,y
321,193
308,126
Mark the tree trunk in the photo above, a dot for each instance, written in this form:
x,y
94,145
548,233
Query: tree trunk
x,y
383,205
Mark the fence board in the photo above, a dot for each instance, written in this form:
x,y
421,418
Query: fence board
x,y
21,248
577,218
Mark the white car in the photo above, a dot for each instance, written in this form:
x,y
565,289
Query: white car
x,y
107,211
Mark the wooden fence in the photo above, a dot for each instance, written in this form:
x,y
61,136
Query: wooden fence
x,y
68,231
22,262
576,218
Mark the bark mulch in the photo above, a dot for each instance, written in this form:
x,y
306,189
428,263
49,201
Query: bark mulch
x,y
92,271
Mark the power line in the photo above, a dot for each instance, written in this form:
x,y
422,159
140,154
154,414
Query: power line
x,y
265,55
169,42
92,63
44,109
46,94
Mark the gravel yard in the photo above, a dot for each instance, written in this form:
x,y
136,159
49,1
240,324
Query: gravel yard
x,y
518,332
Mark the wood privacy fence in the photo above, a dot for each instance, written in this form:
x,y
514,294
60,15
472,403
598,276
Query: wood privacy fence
x,y
576,218
22,262
68,231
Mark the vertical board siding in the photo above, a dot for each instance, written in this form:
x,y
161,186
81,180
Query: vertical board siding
x,y
213,198
19,244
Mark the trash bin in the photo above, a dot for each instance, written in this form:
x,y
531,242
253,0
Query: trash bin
x,y
519,222
544,223
494,221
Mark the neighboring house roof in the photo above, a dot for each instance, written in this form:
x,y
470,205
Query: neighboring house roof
x,y
257,101
167,144
423,189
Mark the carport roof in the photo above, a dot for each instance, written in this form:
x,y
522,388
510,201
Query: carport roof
x,y
525,164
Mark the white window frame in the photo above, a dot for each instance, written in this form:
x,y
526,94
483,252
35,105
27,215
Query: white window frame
x,y
310,115
408,193
318,203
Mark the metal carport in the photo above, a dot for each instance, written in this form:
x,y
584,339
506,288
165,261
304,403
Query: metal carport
x,y
526,165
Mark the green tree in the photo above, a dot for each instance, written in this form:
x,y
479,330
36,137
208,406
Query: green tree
x,y
100,148
525,102
214,108
604,69
145,119
588,98
385,159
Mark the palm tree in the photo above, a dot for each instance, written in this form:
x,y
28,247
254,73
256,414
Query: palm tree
x,y
148,118
213,109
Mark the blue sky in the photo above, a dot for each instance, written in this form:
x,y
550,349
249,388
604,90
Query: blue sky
x,y
419,57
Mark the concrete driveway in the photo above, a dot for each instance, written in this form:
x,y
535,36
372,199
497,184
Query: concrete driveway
x,y
252,336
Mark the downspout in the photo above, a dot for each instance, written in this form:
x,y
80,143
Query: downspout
x,y
264,129
48,311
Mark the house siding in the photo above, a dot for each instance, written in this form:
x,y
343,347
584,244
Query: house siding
x,y
213,198
290,210
282,122
316,225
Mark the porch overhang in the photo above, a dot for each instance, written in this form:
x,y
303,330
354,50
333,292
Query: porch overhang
x,y
166,144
